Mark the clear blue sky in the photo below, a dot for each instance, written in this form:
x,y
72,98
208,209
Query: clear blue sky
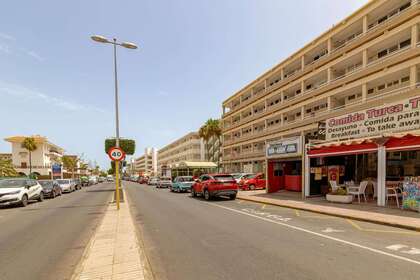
x,y
193,54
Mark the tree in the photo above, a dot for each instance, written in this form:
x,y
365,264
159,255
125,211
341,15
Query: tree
x,y
211,129
30,145
70,163
6,169
127,145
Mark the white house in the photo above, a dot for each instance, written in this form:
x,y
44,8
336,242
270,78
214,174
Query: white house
x,y
43,157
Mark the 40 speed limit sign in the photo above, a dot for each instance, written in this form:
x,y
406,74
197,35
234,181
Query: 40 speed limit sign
x,y
116,154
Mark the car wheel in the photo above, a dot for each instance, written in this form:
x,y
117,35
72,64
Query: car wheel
x,y
251,187
207,195
24,201
232,196
53,194
171,189
193,194
41,197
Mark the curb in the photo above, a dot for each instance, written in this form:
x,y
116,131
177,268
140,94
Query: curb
x,y
402,226
147,268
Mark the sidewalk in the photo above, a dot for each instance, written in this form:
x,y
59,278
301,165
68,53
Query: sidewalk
x,y
113,253
362,212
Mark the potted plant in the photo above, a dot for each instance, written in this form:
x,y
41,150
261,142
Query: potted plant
x,y
339,196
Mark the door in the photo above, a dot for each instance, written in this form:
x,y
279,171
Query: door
x,y
203,181
33,187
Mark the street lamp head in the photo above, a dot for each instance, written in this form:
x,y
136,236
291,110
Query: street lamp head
x,y
129,45
100,39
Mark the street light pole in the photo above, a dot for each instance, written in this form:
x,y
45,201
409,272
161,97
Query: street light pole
x,y
127,45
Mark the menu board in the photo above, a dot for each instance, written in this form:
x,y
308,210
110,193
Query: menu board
x,y
411,196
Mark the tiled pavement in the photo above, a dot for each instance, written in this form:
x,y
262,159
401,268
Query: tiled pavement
x,y
114,250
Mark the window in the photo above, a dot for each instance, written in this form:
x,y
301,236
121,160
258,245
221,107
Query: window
x,y
381,87
298,91
405,79
308,87
405,43
396,82
382,19
382,53
405,6
389,84
371,90
393,49
351,97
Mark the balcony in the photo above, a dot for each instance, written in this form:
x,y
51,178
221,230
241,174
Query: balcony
x,y
383,18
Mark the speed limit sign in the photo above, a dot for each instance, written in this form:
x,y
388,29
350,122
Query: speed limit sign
x,y
116,154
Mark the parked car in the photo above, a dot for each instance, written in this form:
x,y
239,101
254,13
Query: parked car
x,y
142,180
239,176
215,185
182,184
252,182
20,191
84,181
101,179
110,178
93,180
153,181
51,188
77,184
164,182
66,185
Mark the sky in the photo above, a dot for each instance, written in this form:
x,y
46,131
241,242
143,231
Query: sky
x,y
193,54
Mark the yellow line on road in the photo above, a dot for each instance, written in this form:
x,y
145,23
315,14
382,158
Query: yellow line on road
x,y
263,206
354,224
297,213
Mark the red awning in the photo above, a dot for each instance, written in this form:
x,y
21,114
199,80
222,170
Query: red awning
x,y
406,142
344,149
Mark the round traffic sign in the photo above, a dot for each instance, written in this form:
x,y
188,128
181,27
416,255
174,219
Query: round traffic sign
x,y
116,154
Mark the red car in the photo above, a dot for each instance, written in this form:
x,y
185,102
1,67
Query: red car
x,y
253,181
215,185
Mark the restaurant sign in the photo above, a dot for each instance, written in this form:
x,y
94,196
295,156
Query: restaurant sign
x,y
394,117
285,147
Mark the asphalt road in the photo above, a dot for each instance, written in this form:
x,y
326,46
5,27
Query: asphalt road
x,y
187,238
46,240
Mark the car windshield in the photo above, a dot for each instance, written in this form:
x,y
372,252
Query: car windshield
x,y
63,181
12,183
250,176
46,183
165,179
223,178
237,176
185,179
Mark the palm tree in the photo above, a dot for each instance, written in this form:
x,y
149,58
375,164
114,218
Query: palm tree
x,y
30,145
70,163
214,131
6,169
203,132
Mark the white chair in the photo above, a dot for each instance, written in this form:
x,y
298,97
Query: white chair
x,y
334,186
392,192
358,190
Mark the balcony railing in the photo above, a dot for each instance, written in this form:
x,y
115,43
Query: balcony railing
x,y
376,59
375,25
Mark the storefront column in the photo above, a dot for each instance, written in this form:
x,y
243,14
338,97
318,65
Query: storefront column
x,y
306,175
413,76
381,175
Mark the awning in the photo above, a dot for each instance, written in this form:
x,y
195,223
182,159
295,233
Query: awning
x,y
343,148
406,142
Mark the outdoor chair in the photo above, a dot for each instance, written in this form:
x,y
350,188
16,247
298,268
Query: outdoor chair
x,y
358,190
334,186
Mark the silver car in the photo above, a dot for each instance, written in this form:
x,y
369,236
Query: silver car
x,y
164,182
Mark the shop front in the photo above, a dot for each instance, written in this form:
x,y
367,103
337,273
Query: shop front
x,y
284,165
382,161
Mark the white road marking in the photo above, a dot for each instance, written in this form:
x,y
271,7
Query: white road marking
x,y
267,215
380,252
396,247
330,230
413,251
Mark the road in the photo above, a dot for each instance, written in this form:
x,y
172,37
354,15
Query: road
x,y
187,238
46,240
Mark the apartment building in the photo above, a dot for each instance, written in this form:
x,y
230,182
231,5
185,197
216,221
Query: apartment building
x,y
43,157
369,59
5,156
189,147
146,164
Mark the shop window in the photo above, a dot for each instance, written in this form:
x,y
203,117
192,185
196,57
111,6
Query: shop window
x,y
405,79
405,43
